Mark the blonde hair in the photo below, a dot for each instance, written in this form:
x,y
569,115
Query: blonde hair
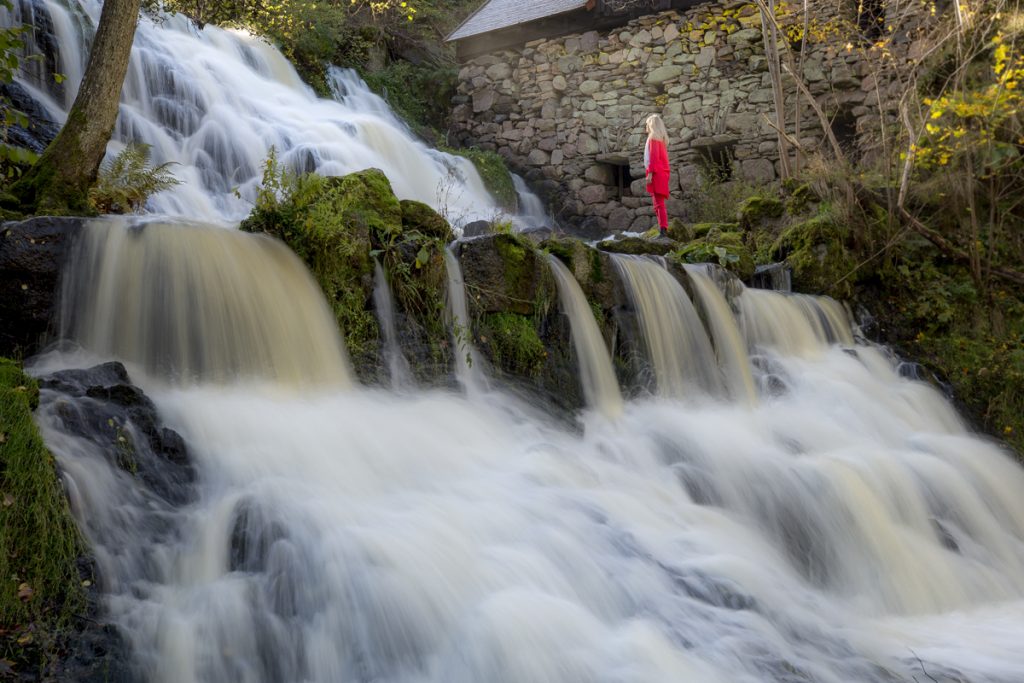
x,y
656,128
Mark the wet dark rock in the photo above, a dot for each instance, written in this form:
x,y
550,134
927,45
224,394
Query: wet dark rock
x,y
32,253
538,234
100,405
476,229
40,130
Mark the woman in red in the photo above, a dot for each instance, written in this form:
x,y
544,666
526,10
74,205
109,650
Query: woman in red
x,y
656,163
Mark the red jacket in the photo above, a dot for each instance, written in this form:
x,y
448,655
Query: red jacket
x,y
658,170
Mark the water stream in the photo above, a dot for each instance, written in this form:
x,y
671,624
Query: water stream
x,y
214,102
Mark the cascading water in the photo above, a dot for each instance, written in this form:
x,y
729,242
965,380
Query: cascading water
x,y
844,528
399,371
677,345
214,102
189,304
468,364
600,387
729,346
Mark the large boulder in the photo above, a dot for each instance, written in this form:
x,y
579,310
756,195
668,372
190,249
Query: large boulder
x,y
32,254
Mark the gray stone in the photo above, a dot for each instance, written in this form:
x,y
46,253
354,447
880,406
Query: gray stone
x,y
600,173
691,105
746,35
593,194
483,100
538,157
589,41
706,57
620,219
499,72
557,157
589,87
689,177
758,170
663,73
594,119
671,33
558,83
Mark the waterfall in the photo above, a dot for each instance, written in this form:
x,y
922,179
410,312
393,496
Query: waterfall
x,y
468,364
729,346
846,527
215,101
399,371
795,324
677,345
600,388
190,303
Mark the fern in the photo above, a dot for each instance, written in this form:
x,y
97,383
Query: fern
x,y
127,181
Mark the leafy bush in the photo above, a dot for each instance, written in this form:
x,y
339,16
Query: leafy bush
x,y
127,181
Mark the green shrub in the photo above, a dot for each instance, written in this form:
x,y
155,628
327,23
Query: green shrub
x,y
515,345
127,181
39,584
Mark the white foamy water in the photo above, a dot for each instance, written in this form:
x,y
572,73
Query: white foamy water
x,y
214,102
845,527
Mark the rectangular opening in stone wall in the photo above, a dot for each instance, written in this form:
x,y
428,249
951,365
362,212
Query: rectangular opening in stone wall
x,y
717,160
844,127
616,168
871,19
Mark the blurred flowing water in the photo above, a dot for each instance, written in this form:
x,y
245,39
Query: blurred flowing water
x,y
214,102
845,526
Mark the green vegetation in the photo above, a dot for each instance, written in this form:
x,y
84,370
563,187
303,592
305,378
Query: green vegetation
x,y
40,589
724,248
328,223
514,343
338,226
127,181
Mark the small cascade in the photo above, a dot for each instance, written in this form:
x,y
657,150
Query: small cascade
x,y
190,302
215,101
532,213
729,344
600,387
468,364
794,324
398,367
678,346
774,276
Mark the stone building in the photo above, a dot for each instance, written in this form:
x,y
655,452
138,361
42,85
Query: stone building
x,y
561,88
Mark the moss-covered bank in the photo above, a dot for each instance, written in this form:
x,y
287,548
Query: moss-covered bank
x,y
40,588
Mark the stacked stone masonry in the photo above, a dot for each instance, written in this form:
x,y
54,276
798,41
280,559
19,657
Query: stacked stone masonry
x,y
569,112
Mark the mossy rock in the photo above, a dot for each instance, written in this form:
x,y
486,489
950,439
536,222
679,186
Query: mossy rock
x,y
816,252
513,344
700,230
724,248
636,246
680,231
40,543
332,224
417,216
502,273
757,210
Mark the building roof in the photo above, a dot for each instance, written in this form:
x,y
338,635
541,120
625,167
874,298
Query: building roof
x,y
499,14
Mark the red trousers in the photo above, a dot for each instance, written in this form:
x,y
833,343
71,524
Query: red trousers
x,y
660,211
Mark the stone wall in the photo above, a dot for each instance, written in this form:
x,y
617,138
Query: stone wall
x,y
569,112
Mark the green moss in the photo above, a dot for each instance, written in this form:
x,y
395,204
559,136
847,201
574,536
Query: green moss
x,y
39,544
332,224
514,344
700,230
816,251
757,209
680,231
495,175
417,216
518,265
724,248
635,245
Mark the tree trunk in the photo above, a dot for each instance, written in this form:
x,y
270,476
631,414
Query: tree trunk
x,y
59,182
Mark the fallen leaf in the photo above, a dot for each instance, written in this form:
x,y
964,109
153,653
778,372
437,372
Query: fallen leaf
x,y
25,639
8,500
25,592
